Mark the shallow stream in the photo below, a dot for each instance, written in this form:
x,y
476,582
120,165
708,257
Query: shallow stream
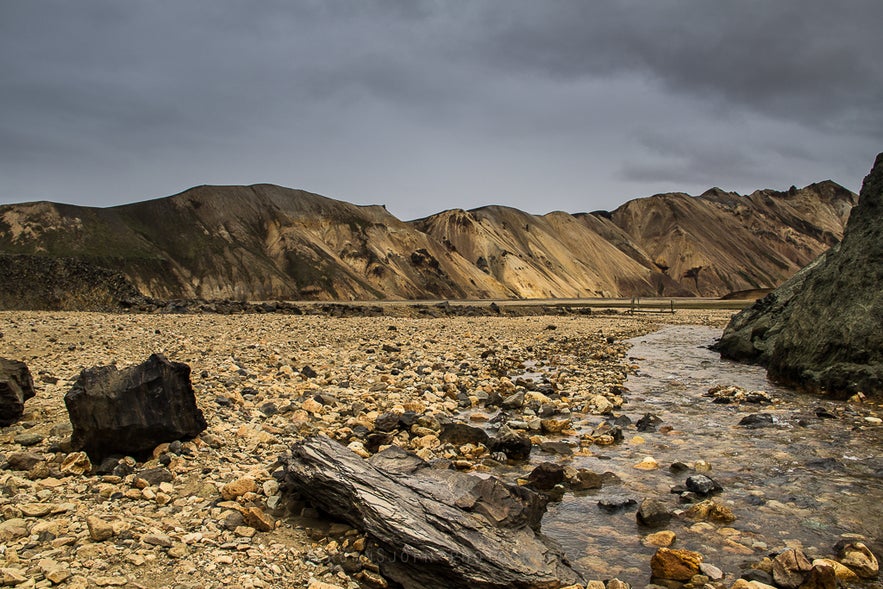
x,y
805,481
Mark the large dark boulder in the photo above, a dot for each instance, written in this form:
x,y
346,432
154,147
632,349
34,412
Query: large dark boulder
x,y
431,528
16,387
133,410
820,331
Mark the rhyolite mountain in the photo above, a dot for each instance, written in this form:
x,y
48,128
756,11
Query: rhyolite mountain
x,y
821,330
266,242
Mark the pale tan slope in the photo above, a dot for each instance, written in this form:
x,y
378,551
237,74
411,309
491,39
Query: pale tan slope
x,y
251,242
722,242
550,256
269,242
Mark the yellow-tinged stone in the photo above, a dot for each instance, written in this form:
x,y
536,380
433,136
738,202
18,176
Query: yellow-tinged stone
x,y
648,463
257,519
76,463
843,573
662,539
238,488
637,441
313,406
99,530
675,564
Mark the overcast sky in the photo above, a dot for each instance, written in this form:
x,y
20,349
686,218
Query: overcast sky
x,y
429,105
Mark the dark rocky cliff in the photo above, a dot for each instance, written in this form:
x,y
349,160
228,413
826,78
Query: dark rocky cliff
x,y
823,329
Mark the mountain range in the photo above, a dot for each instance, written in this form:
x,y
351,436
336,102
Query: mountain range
x,y
266,242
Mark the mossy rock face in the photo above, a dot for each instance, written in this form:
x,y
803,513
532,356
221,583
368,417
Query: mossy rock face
x,y
820,331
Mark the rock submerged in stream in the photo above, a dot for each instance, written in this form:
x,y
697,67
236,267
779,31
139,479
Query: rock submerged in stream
x,y
131,411
430,528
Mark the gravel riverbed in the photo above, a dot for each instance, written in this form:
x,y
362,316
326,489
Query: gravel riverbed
x,y
263,383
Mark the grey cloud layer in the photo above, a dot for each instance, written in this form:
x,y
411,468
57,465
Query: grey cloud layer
x,y
427,105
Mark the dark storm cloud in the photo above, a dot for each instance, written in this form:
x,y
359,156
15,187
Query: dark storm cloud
x,y
425,105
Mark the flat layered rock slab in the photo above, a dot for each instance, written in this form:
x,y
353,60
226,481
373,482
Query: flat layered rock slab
x,y
432,528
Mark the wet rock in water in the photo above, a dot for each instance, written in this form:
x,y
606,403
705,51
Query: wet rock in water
x,y
648,423
790,568
820,576
133,410
841,573
710,511
545,476
16,387
583,479
514,445
653,513
614,504
561,448
662,539
745,584
756,420
599,405
646,463
711,571
723,394
460,433
554,426
758,576
674,564
820,330
702,485
514,401
431,528
859,558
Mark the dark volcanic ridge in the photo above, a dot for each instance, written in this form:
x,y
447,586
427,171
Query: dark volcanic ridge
x,y
269,243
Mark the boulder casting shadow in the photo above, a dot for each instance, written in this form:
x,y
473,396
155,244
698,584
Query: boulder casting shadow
x,y
16,387
431,528
820,331
133,410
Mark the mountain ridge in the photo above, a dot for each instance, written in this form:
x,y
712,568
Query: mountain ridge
x,y
267,242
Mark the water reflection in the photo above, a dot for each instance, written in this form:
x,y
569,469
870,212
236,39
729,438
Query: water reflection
x,y
815,474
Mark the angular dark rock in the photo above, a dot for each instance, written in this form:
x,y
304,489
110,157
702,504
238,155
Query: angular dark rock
x,y
431,529
585,480
820,330
648,423
790,568
702,485
23,460
513,401
386,422
756,420
460,433
653,513
133,410
514,445
613,504
158,475
545,476
16,387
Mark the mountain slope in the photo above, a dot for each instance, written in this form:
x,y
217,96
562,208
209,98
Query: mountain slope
x,y
267,242
552,256
721,242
